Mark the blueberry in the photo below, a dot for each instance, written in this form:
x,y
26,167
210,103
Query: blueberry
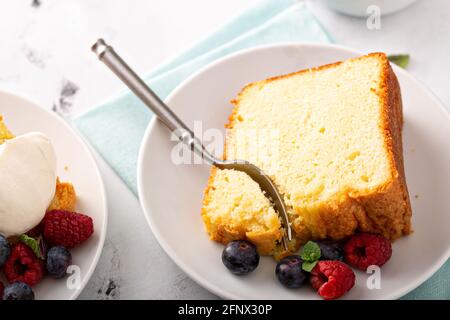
x,y
330,251
5,250
18,291
290,273
240,257
58,260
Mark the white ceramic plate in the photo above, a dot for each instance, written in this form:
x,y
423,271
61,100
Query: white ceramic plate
x,y
22,116
171,195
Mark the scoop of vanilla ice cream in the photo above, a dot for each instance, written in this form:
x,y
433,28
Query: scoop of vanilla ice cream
x,y
27,182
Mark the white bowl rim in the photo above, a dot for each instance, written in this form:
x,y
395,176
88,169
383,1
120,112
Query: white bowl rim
x,y
140,167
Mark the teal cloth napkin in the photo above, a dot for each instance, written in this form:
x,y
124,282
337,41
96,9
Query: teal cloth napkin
x,y
115,129
435,288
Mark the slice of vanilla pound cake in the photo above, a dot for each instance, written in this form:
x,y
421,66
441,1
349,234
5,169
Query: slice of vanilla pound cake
x,y
336,156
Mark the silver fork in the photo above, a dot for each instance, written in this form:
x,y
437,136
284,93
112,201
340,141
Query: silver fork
x,y
108,56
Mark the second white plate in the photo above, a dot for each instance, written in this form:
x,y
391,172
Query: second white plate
x,y
75,164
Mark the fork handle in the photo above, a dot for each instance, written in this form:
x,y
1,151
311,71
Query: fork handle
x,y
108,56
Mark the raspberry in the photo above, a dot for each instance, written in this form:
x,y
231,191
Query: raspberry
x,y
23,265
332,279
65,228
364,250
2,287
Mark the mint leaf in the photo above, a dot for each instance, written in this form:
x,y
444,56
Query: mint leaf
x,y
33,244
308,266
402,60
310,252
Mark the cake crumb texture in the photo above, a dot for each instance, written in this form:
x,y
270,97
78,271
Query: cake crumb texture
x,y
65,197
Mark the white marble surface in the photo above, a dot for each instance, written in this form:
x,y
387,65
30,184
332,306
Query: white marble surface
x,y
45,56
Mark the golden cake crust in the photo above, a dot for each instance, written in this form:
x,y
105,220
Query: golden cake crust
x,y
65,197
385,211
